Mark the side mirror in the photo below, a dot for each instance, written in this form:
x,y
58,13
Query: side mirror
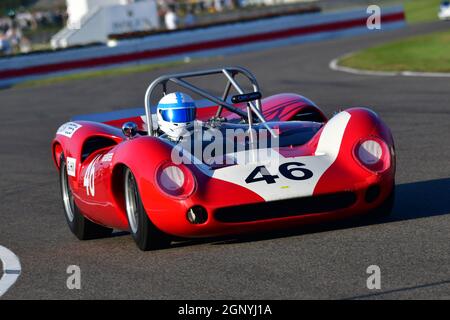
x,y
129,129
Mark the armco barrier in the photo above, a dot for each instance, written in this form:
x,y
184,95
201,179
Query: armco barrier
x,y
210,41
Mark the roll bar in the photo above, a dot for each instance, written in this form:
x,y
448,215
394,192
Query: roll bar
x,y
230,74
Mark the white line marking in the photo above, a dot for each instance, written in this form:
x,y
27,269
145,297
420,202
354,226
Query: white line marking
x,y
11,269
334,65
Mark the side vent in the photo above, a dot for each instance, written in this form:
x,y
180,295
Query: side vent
x,y
93,144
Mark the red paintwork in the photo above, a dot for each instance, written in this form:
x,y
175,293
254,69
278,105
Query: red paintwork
x,y
144,155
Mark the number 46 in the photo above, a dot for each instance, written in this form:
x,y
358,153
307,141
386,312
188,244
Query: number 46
x,y
286,169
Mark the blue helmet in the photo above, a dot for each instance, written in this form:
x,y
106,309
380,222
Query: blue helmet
x,y
175,111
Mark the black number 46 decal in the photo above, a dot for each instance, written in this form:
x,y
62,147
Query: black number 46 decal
x,y
290,170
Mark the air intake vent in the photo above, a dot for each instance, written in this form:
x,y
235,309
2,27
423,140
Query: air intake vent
x,y
285,208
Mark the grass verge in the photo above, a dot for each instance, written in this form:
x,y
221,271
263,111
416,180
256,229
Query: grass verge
x,y
425,53
421,10
119,71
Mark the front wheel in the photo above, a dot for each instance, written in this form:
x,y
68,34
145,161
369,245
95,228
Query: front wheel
x,y
143,231
81,227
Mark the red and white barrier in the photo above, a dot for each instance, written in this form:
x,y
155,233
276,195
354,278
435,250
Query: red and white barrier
x,y
210,41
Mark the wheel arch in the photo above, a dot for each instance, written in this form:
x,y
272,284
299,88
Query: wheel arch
x,y
57,152
118,187
142,156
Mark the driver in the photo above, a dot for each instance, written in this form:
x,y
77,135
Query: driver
x,y
176,112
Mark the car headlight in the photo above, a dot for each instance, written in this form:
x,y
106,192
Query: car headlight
x,y
175,180
373,154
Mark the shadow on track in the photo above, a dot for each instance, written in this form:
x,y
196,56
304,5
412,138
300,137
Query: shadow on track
x,y
413,201
404,289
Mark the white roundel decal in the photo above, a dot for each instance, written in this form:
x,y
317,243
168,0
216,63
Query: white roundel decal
x,y
11,269
172,178
370,152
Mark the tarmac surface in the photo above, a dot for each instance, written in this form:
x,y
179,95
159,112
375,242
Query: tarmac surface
x,y
412,247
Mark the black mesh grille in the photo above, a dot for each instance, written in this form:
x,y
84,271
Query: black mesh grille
x,y
285,208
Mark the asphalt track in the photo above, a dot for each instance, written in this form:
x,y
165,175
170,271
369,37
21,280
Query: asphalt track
x,y
412,247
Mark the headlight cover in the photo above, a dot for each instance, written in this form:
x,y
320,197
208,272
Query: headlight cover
x,y
175,180
373,153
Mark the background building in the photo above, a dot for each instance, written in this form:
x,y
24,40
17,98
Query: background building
x,y
91,21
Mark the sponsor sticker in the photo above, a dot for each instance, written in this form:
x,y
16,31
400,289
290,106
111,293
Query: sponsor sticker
x,y
68,129
71,166
108,157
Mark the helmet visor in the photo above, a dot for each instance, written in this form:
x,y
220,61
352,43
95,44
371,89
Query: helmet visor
x,y
178,115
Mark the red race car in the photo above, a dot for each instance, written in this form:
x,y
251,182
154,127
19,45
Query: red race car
x,y
244,164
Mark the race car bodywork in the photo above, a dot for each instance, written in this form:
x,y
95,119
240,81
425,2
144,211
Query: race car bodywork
x,y
319,170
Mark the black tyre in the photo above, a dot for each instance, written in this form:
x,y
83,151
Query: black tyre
x,y
143,231
81,227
